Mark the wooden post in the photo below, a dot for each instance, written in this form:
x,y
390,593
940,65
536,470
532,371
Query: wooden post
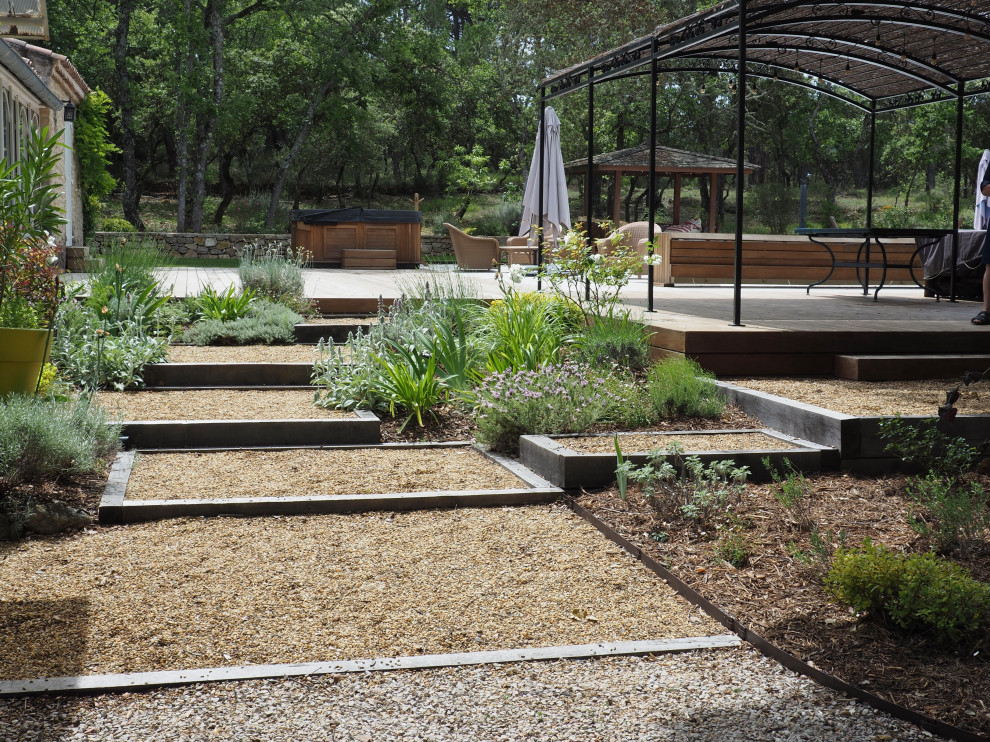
x,y
713,202
677,198
616,198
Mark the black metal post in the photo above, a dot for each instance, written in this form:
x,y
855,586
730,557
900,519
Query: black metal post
x,y
869,193
543,177
652,178
589,240
740,167
960,100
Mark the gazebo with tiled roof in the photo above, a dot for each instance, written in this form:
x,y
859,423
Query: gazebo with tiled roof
x,y
676,163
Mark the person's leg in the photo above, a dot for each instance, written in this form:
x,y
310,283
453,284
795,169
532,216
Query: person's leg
x,y
986,289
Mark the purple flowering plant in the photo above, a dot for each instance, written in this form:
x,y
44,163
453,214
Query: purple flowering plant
x,y
553,398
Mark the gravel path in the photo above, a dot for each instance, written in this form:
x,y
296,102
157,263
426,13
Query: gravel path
x,y
715,695
216,592
640,442
297,353
217,404
161,476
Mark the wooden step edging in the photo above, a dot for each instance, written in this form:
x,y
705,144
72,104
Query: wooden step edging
x,y
115,508
550,457
907,367
364,427
212,375
861,449
767,648
128,682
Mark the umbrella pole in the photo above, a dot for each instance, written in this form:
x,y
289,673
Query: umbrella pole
x,y
543,184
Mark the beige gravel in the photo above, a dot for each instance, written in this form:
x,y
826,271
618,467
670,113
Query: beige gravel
x,y
642,442
217,404
868,398
297,353
716,696
224,591
164,476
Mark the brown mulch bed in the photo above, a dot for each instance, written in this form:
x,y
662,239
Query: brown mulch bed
x,y
781,597
869,398
227,591
303,471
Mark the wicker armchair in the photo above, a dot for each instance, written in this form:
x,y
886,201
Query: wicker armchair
x,y
634,236
473,253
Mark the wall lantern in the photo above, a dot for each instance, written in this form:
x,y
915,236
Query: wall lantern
x,y
68,112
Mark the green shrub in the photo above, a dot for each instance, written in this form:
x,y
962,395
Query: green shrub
x,y
43,439
116,224
921,442
122,280
275,274
679,386
410,382
956,514
732,546
685,488
223,307
615,342
349,378
521,331
564,398
266,323
919,592
775,204
91,352
793,491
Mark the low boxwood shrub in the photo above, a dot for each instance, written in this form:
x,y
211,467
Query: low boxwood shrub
x,y
917,592
43,439
266,323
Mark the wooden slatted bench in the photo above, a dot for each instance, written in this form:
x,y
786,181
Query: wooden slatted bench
x,y
705,257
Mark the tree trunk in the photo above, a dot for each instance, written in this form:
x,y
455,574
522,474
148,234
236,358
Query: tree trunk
x,y
207,127
226,187
283,170
131,197
183,77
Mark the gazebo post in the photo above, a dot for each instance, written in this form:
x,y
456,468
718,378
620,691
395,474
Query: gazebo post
x,y
960,100
616,196
869,189
652,178
589,239
740,167
677,198
713,202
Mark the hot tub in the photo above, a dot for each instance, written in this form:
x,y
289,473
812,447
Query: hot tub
x,y
358,238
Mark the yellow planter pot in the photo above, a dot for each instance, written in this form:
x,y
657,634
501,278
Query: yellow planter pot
x,y
23,354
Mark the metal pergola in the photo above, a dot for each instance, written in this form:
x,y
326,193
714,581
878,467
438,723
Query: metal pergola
x,y
876,55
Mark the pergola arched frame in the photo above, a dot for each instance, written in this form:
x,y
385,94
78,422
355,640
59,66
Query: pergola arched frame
x,y
875,55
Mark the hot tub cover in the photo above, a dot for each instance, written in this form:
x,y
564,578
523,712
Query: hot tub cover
x,y
337,216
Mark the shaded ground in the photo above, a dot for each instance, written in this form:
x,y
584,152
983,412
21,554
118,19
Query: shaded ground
x,y
778,592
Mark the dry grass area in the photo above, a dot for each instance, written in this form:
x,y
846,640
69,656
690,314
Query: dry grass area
x,y
203,593
868,398
217,404
641,442
297,353
298,472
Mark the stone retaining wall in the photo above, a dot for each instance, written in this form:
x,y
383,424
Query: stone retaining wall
x,y
186,245
435,246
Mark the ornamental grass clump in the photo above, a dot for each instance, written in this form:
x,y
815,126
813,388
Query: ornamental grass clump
x,y
553,398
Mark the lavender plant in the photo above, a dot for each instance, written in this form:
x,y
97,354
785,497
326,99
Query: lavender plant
x,y
553,398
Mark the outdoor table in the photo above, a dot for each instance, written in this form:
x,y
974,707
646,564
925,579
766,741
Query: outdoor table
x,y
864,262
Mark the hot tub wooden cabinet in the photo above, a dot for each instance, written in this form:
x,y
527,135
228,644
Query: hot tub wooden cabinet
x,y
358,238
